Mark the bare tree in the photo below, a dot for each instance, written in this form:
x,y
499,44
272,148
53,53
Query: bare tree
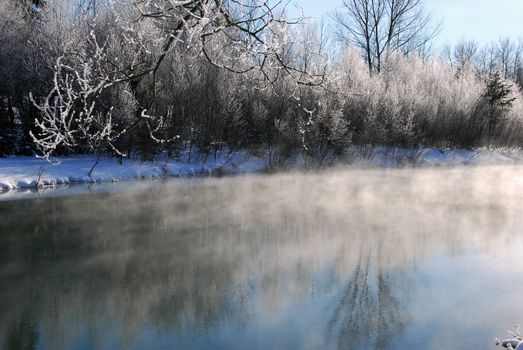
x,y
378,27
239,36
235,36
487,59
506,50
71,115
518,64
465,53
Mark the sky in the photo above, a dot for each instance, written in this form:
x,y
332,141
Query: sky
x,y
480,20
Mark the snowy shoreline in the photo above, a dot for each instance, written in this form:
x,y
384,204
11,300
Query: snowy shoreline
x,y
31,172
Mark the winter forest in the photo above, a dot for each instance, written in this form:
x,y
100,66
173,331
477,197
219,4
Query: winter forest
x,y
242,174
145,78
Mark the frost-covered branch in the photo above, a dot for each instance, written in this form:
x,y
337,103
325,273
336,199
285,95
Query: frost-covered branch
x,y
74,115
239,36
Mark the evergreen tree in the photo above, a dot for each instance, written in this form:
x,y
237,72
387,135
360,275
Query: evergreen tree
x,y
499,97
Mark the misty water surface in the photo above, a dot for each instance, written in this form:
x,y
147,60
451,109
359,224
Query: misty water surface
x,y
344,259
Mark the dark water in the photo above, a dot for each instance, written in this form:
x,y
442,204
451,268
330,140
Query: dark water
x,y
370,259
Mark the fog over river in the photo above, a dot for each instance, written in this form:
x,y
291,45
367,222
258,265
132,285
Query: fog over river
x,y
338,259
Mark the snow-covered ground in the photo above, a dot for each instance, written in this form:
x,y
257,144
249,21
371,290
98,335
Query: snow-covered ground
x,y
394,157
28,172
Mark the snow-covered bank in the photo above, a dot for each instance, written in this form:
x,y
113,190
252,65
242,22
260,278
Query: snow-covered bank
x,y
397,157
29,172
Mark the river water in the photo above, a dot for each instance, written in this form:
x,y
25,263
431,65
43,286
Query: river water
x,y
341,259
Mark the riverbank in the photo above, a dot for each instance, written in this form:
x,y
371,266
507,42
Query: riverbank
x,y
31,172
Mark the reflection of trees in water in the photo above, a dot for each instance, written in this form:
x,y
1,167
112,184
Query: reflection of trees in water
x,y
188,259
22,335
369,309
100,268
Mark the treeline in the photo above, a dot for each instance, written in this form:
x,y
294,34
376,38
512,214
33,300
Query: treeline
x,y
84,60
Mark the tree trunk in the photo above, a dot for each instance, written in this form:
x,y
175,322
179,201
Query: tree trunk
x,y
94,165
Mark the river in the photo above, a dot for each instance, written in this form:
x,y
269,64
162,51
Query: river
x,y
338,259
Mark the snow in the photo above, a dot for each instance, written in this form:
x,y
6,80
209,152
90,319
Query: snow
x,y
397,157
23,172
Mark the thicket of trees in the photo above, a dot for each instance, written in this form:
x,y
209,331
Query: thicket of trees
x,y
156,77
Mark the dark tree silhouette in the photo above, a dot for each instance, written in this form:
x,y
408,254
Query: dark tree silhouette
x,y
500,99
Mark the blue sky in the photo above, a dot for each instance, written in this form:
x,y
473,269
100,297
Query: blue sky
x,y
481,20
